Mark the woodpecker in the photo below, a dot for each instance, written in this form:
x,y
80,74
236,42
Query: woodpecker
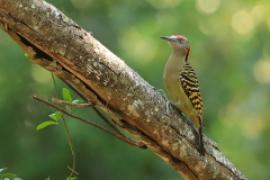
x,y
182,84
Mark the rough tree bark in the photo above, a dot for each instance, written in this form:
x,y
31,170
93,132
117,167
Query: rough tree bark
x,y
56,43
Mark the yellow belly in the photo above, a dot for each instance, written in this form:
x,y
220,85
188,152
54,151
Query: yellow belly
x,y
178,97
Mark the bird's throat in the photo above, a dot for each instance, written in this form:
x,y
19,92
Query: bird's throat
x,y
173,67
177,59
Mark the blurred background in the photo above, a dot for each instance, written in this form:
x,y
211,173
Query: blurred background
x,y
230,51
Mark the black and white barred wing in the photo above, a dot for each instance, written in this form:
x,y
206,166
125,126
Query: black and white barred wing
x,y
190,84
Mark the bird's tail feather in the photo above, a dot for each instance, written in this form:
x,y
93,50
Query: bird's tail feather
x,y
201,145
200,137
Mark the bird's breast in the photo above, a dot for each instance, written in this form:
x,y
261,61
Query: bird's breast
x,y
172,86
172,83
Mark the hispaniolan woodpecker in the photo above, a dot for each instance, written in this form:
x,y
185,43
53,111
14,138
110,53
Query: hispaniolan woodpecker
x,y
182,84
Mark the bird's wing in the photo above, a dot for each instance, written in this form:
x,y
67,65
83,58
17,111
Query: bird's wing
x,y
190,84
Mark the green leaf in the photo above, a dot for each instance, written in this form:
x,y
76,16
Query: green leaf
x,y
44,124
8,176
66,95
2,169
72,178
56,116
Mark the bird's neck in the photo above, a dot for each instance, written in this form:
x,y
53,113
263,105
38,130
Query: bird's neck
x,y
177,59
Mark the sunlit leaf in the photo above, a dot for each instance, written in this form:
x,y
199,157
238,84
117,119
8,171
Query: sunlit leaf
x,y
75,101
56,116
45,124
66,95
17,178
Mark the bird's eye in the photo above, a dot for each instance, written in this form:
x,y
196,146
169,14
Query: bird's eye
x,y
181,40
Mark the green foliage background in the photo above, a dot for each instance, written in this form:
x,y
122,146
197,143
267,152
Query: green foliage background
x,y
230,51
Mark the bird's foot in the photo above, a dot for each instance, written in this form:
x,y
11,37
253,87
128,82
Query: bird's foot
x,y
177,109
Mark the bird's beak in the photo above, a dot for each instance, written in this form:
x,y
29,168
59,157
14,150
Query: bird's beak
x,y
168,38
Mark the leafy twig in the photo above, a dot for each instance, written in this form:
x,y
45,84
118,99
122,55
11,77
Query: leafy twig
x,y
120,137
69,138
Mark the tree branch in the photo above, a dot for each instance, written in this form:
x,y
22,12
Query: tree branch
x,y
56,43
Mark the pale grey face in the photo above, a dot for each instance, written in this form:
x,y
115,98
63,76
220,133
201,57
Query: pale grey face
x,y
177,41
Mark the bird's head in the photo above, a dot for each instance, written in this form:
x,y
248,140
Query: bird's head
x,y
178,42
